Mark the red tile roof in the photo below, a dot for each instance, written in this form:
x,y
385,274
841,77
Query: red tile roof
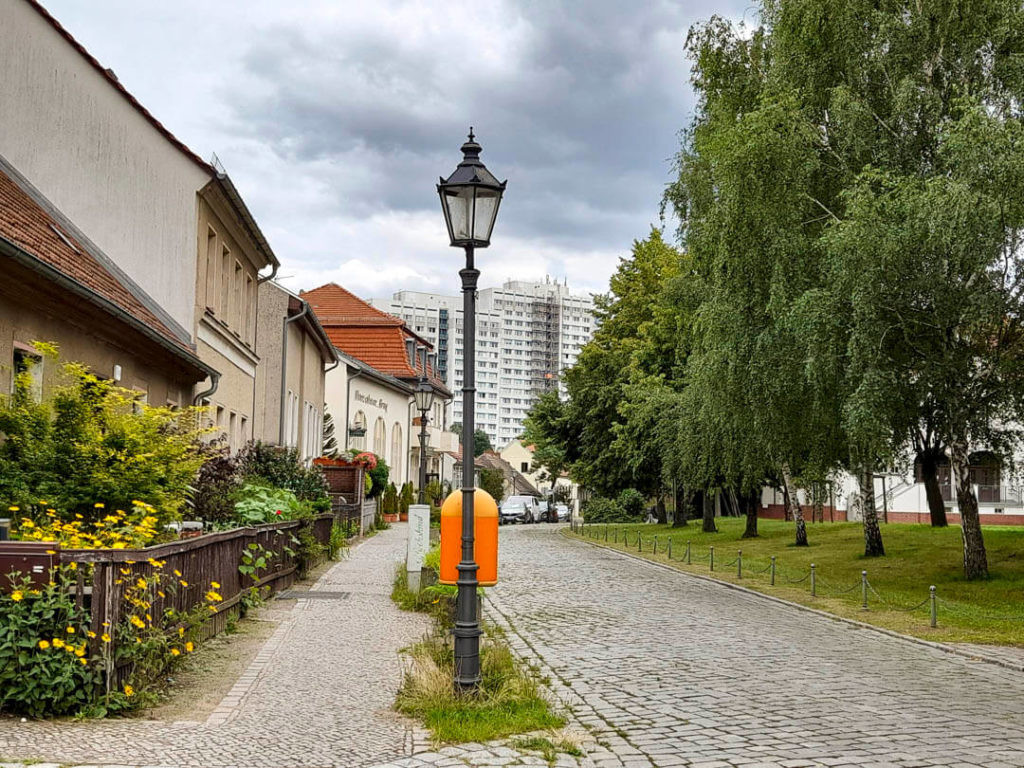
x,y
112,79
366,333
27,225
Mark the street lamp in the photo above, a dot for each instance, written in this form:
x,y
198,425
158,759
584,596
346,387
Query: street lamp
x,y
424,400
469,199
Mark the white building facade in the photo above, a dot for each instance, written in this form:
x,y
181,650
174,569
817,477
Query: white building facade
x,y
528,333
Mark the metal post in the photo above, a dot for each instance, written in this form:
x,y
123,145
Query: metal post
x,y
669,548
423,449
935,616
467,622
639,542
863,590
655,544
773,570
688,561
814,584
712,558
615,536
739,563
606,532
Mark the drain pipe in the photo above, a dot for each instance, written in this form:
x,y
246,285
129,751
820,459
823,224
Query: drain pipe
x,y
214,382
284,364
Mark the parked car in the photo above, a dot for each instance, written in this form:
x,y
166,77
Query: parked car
x,y
523,509
562,512
542,510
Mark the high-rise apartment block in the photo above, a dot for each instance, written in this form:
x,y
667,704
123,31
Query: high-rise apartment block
x,y
528,333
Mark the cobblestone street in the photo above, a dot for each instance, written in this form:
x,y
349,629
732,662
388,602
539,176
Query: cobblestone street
x,y
662,669
668,670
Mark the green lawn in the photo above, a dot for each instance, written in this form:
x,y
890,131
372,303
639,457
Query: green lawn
x,y
917,556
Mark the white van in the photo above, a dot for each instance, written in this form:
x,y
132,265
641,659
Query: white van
x,y
520,508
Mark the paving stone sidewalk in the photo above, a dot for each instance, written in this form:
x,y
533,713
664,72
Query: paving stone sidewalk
x,y
668,670
318,694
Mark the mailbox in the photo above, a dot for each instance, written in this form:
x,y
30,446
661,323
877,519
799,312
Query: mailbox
x,y
485,537
34,559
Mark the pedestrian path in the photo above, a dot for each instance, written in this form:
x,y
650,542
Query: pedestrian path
x,y
318,694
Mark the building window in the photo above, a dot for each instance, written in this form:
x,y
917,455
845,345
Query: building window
x,y
28,366
225,284
232,433
396,448
358,441
524,466
379,436
237,307
211,269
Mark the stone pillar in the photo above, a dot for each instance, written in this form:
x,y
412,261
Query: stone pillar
x,y
418,542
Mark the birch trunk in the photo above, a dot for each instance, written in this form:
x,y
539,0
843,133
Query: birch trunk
x,y
932,491
873,546
794,507
975,559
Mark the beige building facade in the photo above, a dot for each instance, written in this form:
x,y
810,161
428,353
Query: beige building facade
x,y
295,355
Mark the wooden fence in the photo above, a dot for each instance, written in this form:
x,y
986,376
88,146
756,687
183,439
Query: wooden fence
x,y
201,561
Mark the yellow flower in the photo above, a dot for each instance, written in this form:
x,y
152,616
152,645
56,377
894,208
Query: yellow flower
x,y
13,509
189,647
105,637
27,524
73,566
183,582
159,592
215,585
181,631
98,505
141,583
213,597
16,596
129,691
83,662
177,573
44,644
138,622
58,643
155,563
80,652
70,630
175,652
91,634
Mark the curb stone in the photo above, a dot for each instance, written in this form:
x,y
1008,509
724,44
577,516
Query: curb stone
x,y
944,647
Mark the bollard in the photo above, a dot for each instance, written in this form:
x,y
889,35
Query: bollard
x,y
712,558
639,542
773,570
688,553
814,585
655,544
739,563
670,548
931,592
863,590
615,539
606,532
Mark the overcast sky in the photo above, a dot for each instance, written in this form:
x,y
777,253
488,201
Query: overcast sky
x,y
336,117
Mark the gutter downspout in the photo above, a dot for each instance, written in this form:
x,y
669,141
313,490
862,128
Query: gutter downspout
x,y
214,382
284,363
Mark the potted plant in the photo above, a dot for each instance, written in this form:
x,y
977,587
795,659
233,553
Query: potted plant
x,y
389,504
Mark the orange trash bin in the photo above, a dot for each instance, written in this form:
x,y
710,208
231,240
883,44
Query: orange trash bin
x,y
485,537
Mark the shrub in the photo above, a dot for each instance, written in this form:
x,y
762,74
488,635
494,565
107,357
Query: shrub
x,y
259,503
283,468
632,503
434,493
603,510
493,481
406,498
117,530
212,496
94,443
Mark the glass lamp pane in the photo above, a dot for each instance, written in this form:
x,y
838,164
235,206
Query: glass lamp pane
x,y
486,210
459,202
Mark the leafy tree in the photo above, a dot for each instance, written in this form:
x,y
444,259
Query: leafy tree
x,y
481,440
493,481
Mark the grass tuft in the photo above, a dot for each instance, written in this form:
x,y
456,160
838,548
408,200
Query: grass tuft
x,y
509,700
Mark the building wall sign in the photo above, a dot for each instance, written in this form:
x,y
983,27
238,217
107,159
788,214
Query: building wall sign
x,y
374,402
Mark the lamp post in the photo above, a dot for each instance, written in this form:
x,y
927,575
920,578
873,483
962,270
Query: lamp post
x,y
424,400
469,199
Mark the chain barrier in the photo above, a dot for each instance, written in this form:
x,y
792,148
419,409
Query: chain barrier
x,y
689,557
